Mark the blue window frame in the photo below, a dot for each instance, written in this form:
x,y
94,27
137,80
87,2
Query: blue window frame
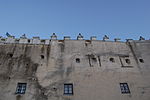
x,y
124,88
68,89
21,88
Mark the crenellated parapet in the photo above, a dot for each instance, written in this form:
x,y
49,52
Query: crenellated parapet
x,y
36,40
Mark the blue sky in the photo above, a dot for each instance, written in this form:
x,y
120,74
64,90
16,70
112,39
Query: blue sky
x,y
115,18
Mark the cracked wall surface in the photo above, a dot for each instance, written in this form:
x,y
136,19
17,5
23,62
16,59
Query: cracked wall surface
x,y
46,68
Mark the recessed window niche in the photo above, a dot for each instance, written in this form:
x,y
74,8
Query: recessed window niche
x,y
128,61
141,60
112,59
77,60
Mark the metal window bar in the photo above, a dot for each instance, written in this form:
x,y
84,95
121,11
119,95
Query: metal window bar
x,y
124,88
21,88
68,89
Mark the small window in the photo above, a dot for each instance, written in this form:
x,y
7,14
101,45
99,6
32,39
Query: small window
x,y
127,61
124,88
28,40
21,88
112,59
10,55
141,60
77,60
94,59
42,56
68,89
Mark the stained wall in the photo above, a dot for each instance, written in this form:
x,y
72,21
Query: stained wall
x,y
97,76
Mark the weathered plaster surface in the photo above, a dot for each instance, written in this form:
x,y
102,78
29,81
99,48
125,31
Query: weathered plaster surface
x,y
45,69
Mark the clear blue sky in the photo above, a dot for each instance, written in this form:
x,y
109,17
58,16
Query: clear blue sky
x,y
116,18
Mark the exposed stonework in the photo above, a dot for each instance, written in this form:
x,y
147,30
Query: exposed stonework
x,y
47,66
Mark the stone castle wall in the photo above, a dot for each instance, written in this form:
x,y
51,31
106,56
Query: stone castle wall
x,y
95,68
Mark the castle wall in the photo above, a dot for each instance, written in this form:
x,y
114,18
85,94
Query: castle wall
x,y
95,68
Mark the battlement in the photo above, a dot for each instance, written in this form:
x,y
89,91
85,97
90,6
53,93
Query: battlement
x,y
36,40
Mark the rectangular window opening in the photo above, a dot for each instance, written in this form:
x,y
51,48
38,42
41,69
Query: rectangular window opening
x,y
21,88
124,88
68,89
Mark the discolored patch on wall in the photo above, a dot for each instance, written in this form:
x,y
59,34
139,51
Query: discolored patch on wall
x,y
18,97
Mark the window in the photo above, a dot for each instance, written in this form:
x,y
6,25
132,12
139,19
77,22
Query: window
x,y
42,56
94,59
124,88
112,59
21,88
10,55
28,40
141,60
77,60
127,61
68,89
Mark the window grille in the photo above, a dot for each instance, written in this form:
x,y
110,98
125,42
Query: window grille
x,y
68,89
21,88
124,88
